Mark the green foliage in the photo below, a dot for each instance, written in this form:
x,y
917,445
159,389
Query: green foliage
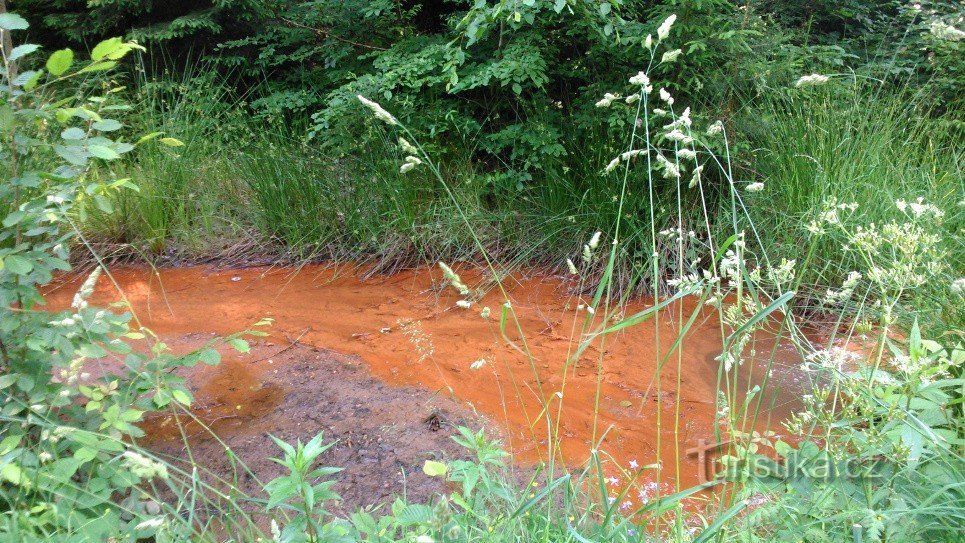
x,y
68,469
843,144
890,467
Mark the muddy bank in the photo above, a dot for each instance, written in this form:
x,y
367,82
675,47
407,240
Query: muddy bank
x,y
409,332
383,434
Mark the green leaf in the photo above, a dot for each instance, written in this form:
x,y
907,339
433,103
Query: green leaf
x,y
210,357
102,151
105,48
12,21
239,345
148,137
75,154
73,133
181,396
98,66
7,380
434,469
107,125
18,265
171,142
60,62
21,51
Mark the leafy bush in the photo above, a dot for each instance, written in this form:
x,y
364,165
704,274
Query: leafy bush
x,y
67,466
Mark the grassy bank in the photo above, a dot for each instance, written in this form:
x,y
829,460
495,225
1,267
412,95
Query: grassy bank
x,y
256,190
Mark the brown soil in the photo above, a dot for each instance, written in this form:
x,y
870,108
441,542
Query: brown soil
x,y
383,433
408,332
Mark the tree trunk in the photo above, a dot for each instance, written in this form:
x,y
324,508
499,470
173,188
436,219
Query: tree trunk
x,y
7,45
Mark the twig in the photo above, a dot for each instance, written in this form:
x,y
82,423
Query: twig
x,y
291,345
327,34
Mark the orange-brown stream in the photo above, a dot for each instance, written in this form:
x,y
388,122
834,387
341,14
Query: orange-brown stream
x,y
409,331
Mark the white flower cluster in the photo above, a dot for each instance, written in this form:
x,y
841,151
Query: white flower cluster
x,y
834,297
835,358
453,279
143,467
410,162
608,99
379,111
86,289
958,286
783,273
407,147
670,170
944,31
811,80
919,208
590,247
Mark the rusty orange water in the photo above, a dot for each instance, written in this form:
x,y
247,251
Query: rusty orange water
x,y
409,331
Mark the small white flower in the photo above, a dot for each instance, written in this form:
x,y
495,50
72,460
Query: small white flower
x,y
613,481
633,99
595,240
608,99
755,187
631,154
811,80
715,128
407,147
478,364
640,79
571,267
648,41
958,286
464,304
677,135
664,30
665,96
485,312
612,165
424,539
406,167
634,464
686,154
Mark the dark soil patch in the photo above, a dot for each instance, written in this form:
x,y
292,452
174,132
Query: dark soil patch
x,y
383,433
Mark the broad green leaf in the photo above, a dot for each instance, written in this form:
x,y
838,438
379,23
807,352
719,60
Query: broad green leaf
x,y
12,21
103,151
75,154
239,345
105,48
181,397
60,62
32,81
73,133
210,357
21,51
18,265
434,469
107,125
101,66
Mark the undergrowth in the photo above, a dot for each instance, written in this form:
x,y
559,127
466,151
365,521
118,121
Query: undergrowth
x,y
665,208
